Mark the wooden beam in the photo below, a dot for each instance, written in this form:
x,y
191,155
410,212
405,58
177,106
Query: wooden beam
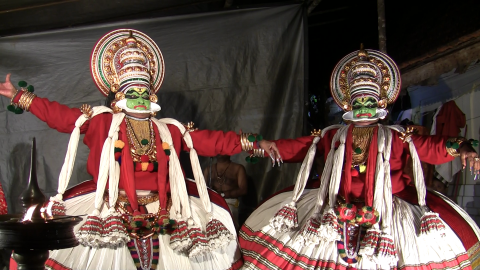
x,y
382,37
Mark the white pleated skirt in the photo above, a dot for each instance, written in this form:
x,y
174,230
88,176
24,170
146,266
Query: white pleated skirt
x,y
265,248
85,257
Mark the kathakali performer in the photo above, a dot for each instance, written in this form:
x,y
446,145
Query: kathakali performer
x,y
366,212
142,213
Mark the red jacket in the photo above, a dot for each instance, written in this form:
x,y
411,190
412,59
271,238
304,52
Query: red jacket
x,y
63,118
431,149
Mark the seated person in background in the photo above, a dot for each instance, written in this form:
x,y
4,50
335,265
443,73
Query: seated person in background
x,y
230,180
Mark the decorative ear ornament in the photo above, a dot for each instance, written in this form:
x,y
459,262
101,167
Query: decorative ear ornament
x,y
382,103
119,96
153,98
346,107
115,108
114,88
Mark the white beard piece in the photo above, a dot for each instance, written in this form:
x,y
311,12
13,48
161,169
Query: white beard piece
x,y
381,114
122,104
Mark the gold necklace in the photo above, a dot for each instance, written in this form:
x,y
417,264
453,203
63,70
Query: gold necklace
x,y
141,138
361,138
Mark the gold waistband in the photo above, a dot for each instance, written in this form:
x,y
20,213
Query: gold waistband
x,y
143,200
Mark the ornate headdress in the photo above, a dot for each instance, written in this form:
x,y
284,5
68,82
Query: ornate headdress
x,y
365,73
127,58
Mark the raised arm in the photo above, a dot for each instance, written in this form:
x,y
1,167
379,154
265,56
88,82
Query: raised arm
x,y
56,115
210,143
437,150
288,150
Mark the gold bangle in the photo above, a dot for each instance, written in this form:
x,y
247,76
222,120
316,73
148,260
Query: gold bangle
x,y
246,144
30,100
13,97
258,153
452,152
26,100
453,144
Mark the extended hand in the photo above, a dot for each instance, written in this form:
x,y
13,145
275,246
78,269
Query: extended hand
x,y
6,88
272,151
468,154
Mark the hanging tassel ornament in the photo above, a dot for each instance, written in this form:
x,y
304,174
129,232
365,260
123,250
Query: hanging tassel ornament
x,y
386,252
285,219
179,240
119,144
91,231
431,225
369,242
166,148
198,239
114,232
310,232
56,208
217,234
330,229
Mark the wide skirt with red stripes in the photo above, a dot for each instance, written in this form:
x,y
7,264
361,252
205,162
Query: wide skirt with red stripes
x,y
80,202
265,248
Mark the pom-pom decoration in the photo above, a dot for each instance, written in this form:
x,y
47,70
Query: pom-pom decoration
x,y
367,216
346,212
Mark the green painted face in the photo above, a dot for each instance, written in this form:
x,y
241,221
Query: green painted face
x,y
364,107
138,99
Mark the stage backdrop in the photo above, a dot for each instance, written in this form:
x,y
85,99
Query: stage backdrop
x,y
233,70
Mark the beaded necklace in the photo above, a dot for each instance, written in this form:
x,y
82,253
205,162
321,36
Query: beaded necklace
x,y
141,138
361,138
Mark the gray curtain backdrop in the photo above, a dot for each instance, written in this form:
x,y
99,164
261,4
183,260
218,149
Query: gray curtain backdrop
x,y
234,70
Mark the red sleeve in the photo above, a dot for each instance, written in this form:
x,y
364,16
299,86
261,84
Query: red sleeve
x,y
209,143
432,149
56,115
294,150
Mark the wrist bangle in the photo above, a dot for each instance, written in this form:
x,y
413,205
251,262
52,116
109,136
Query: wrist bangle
x,y
14,96
258,153
246,144
25,100
453,144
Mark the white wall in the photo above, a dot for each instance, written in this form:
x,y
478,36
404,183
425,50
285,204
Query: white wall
x,y
464,89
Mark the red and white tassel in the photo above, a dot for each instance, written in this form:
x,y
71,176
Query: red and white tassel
x,y
56,207
179,240
217,234
199,240
90,233
330,230
370,242
386,251
309,234
285,219
114,232
431,225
